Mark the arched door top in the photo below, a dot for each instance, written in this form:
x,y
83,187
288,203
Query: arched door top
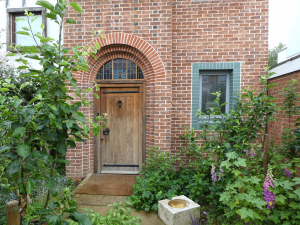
x,y
116,42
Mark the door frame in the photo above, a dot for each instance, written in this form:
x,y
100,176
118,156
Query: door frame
x,y
141,84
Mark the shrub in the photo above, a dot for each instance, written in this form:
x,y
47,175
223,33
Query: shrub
x,y
241,189
160,180
37,128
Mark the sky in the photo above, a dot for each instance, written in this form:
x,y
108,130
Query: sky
x,y
281,15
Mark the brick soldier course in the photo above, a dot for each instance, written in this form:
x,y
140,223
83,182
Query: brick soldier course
x,y
170,41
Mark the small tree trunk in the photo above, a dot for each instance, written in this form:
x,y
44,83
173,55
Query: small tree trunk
x,y
216,158
265,146
13,213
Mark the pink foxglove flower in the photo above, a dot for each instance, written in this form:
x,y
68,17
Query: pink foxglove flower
x,y
213,175
287,173
269,195
221,173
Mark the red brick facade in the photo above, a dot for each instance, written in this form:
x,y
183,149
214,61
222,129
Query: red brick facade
x,y
164,38
275,128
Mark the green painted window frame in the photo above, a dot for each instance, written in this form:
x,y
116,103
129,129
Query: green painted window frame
x,y
214,73
234,71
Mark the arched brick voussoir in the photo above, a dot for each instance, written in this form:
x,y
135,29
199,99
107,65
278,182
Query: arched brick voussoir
x,y
121,48
133,42
109,56
94,68
114,51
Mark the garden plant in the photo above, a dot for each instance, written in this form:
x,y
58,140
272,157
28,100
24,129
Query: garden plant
x,y
120,213
235,174
40,120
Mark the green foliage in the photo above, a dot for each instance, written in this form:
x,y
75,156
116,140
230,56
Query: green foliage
x,y
231,142
160,180
290,143
199,188
120,213
273,54
61,205
40,119
287,201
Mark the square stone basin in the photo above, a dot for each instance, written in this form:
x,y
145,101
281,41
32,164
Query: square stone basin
x,y
178,211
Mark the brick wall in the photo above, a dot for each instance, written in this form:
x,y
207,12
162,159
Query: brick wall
x,y
275,128
170,36
215,31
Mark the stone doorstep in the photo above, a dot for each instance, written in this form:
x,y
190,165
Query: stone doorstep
x,y
85,180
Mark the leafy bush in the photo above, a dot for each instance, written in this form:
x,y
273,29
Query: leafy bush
x,y
160,180
37,127
242,190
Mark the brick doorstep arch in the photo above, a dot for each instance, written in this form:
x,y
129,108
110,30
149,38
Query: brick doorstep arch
x,y
158,95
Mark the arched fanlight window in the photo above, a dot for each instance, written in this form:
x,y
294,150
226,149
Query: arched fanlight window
x,y
117,69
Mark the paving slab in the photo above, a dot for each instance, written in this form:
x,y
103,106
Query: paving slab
x,y
98,200
99,204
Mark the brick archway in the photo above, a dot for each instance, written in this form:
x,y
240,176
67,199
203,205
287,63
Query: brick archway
x,y
121,42
111,52
158,95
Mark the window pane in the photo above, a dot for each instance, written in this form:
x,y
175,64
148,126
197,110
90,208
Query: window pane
x,y
212,84
23,39
131,70
100,74
139,73
119,69
108,70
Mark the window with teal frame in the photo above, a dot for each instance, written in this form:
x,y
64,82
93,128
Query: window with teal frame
x,y
212,77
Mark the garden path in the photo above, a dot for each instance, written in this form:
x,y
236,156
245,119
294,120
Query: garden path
x,y
99,204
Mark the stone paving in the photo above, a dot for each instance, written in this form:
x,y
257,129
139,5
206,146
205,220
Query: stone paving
x,y
99,204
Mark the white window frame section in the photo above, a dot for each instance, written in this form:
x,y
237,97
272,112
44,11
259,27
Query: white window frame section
x,y
9,26
216,73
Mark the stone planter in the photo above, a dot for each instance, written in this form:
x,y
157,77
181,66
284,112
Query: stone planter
x,y
178,211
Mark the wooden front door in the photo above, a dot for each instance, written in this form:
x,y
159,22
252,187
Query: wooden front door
x,y
120,148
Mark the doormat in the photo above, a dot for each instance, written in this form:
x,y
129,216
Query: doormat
x,y
108,184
